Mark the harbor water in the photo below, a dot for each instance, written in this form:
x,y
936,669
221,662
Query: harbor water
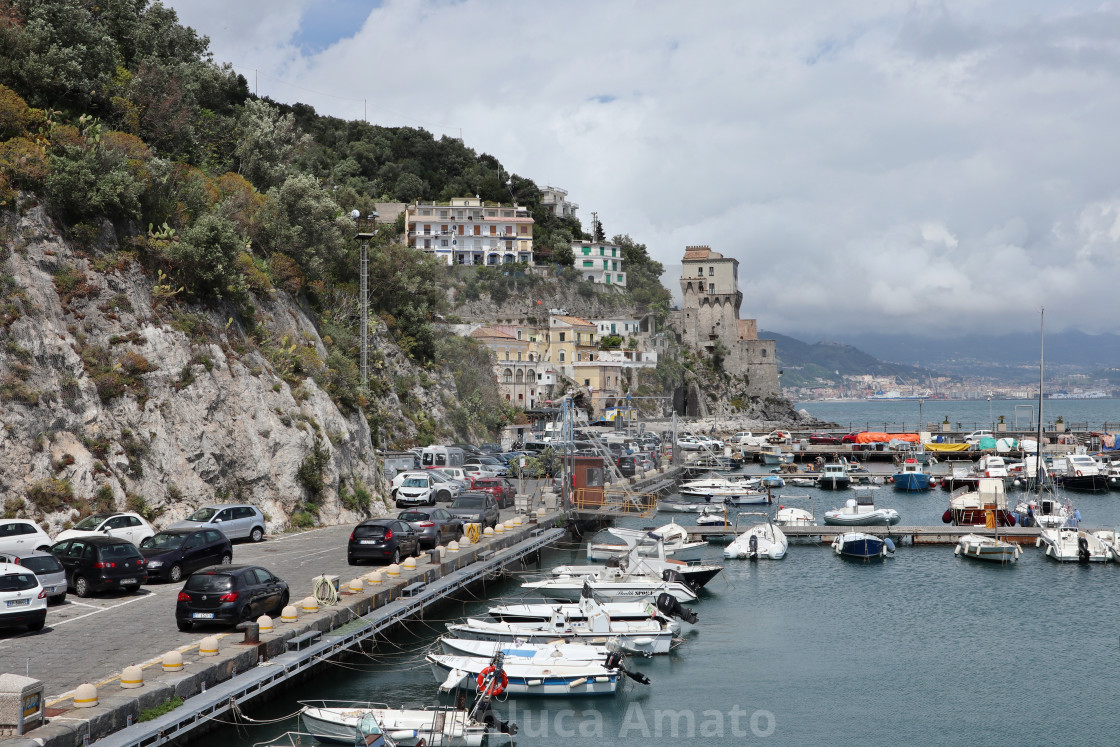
x,y
924,647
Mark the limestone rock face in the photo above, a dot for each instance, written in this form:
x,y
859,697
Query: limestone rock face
x,y
198,415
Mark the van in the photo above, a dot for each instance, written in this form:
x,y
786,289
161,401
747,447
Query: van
x,y
433,457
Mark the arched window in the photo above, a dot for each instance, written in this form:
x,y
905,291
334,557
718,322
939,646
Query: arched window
x,y
561,356
507,376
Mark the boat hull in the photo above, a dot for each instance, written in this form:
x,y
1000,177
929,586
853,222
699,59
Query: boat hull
x,y
544,685
827,482
976,547
861,547
878,518
1086,483
689,552
438,728
911,482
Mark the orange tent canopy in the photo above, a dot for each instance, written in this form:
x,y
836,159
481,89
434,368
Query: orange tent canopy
x,y
870,437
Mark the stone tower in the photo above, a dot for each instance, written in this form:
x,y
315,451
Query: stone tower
x,y
709,320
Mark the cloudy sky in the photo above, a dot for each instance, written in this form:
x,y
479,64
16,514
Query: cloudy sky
x,y
873,164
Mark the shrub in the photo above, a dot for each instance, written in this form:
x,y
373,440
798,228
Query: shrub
x,y
103,500
206,258
13,507
138,505
156,711
51,494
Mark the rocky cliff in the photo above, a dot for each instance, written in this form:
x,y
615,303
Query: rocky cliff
x,y
114,395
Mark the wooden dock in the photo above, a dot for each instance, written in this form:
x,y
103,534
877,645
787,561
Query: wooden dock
x,y
943,535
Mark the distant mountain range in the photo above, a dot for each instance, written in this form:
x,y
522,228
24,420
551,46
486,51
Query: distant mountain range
x,y
1011,357
803,363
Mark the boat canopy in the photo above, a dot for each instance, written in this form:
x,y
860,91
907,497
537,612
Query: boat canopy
x,y
872,437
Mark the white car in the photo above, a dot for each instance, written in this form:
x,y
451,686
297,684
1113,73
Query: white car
x,y
126,526
459,474
690,443
444,488
974,437
746,438
416,490
476,471
23,600
21,536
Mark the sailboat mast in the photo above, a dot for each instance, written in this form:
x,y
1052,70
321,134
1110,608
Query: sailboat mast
x,y
1041,359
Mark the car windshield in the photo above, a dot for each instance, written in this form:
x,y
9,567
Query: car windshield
x,y
415,482
164,541
209,582
413,516
470,501
92,522
18,581
41,564
203,514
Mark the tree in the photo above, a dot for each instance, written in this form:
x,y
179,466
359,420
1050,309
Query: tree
x,y
268,142
206,256
563,255
409,187
302,220
600,237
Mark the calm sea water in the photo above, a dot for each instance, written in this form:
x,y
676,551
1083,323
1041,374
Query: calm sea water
x,y
923,648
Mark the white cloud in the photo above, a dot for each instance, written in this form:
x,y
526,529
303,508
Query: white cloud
x,y
872,164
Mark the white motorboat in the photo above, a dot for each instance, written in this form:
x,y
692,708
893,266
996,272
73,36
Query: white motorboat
x,y
1046,511
713,516
717,489
536,653
862,546
616,611
675,538
802,482
834,477
992,549
578,678
787,516
1111,540
681,506
763,540
611,584
653,635
337,722
639,563
1070,545
861,511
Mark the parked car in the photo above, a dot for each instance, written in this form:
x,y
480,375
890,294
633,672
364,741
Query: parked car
x,y
490,448
457,473
746,438
126,526
690,443
98,563
49,570
974,437
477,471
777,437
824,438
850,438
23,600
174,554
498,487
445,488
21,536
228,595
236,521
434,526
627,465
476,508
492,463
415,490
382,539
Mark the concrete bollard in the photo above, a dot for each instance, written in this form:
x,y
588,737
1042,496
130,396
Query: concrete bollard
x,y
172,662
516,521
132,677
393,571
309,604
265,624
289,614
409,564
498,528
208,646
464,541
452,546
487,532
373,577
356,586
542,512
85,696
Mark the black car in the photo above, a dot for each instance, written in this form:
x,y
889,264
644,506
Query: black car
x,y
228,595
175,553
382,539
96,564
476,508
434,526
627,466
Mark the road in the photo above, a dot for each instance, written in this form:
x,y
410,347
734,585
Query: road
x,y
92,640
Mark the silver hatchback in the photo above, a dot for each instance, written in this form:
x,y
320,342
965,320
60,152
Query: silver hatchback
x,y
235,521
48,569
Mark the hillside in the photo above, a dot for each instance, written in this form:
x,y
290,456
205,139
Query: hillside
x,y
804,364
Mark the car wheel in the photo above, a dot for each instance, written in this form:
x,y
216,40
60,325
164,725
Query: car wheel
x,y
283,601
175,574
397,555
131,588
444,496
81,587
183,625
57,600
227,559
257,534
351,561
246,614
398,504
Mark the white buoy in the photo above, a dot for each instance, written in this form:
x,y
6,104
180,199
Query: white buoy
x,y
85,696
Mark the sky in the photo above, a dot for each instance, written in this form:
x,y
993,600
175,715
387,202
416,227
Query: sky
x,y
922,167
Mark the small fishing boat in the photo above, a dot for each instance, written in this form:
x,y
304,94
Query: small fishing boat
x,y
613,584
911,476
577,678
1071,545
337,722
525,652
639,564
834,477
713,517
772,482
1046,511
992,549
1111,540
763,540
773,455
681,506
675,538
861,511
970,507
787,516
862,546
720,489
666,609
802,482
1083,474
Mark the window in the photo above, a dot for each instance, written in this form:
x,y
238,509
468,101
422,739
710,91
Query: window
x,y
579,356
764,352
427,243
524,230
478,230
443,228
700,272
712,272
561,356
518,355
509,230
493,230
587,382
562,336
602,251
507,354
427,229
588,263
443,242
518,334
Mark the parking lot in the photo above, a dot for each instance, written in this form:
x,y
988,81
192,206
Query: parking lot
x,y
93,639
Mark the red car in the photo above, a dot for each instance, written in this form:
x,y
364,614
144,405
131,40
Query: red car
x,y
498,487
824,438
850,438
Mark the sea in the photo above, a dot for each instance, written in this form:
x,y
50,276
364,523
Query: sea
x,y
921,648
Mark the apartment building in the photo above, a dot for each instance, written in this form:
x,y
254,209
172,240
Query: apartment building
x,y
471,231
599,263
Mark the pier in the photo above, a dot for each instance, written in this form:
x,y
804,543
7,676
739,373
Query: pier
x,y
942,535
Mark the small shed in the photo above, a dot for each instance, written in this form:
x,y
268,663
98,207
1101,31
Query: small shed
x,y
587,480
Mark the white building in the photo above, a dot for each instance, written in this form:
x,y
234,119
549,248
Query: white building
x,y
470,231
623,328
556,200
599,263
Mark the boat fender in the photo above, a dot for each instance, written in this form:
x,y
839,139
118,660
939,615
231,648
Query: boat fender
x,y
947,517
670,607
890,479
1079,475
957,551
888,544
1083,550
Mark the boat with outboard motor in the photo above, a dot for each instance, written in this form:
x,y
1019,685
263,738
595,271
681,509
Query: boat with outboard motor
x,y
614,584
763,540
834,476
618,611
788,516
337,722
861,511
1072,545
528,677
637,563
717,488
992,549
862,546
677,544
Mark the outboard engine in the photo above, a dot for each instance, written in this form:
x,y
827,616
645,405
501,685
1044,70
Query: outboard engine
x,y
1082,550
668,605
670,575
615,661
491,720
614,562
752,546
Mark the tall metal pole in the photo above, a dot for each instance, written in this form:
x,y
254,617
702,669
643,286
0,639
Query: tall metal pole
x,y
365,314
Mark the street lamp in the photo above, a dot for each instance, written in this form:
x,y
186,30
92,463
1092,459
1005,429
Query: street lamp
x,y
921,423
991,422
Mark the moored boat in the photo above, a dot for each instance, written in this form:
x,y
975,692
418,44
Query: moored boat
x,y
992,549
862,546
675,537
1083,474
763,540
338,722
1071,545
579,678
911,476
834,477
861,511
972,507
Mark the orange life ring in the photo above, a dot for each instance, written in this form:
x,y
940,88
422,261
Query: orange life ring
x,y
497,686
